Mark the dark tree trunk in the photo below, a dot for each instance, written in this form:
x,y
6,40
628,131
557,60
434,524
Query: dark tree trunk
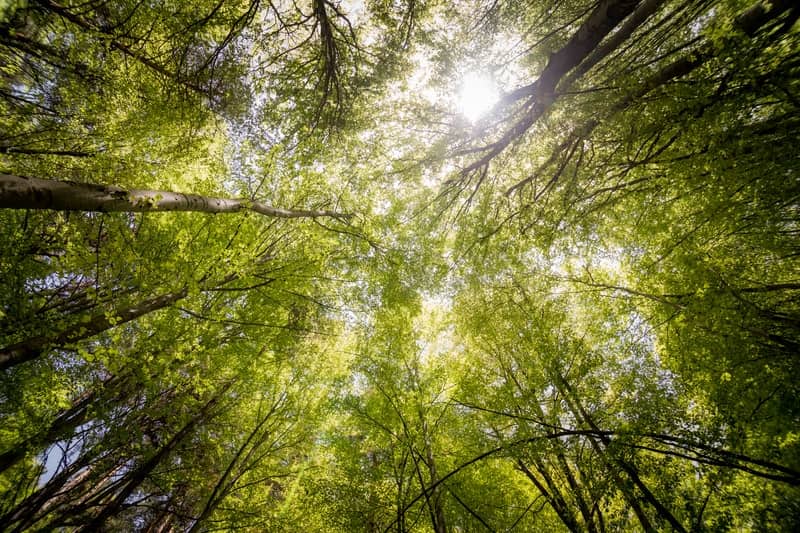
x,y
33,347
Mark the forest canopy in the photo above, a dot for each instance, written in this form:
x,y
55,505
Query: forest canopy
x,y
408,266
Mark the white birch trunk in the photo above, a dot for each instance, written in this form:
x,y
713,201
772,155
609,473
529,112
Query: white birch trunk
x,y
17,192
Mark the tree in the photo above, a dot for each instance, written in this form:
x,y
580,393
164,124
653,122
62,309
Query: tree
x,y
33,193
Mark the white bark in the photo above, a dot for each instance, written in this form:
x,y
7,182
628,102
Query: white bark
x,y
18,192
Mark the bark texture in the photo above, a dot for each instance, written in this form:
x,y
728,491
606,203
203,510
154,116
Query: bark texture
x,y
19,192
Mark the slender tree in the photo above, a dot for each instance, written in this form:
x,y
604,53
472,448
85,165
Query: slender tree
x,y
33,193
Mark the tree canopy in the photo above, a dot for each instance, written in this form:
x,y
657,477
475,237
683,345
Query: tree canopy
x,y
446,266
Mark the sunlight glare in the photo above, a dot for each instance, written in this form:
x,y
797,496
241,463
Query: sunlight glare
x,y
477,96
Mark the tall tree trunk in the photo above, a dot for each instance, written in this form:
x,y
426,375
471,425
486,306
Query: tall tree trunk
x,y
436,495
33,347
551,493
109,390
162,522
749,21
137,476
576,489
64,424
558,450
594,29
54,493
437,509
637,18
12,150
630,470
18,192
240,459
91,478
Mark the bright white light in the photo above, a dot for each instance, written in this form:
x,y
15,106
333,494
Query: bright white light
x,y
477,96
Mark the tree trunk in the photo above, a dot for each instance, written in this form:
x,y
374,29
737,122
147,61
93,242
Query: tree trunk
x,y
227,480
12,150
749,21
436,495
637,18
139,474
65,423
594,29
54,493
17,192
563,463
553,496
630,470
33,347
63,426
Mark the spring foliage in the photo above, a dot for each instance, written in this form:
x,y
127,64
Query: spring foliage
x,y
576,311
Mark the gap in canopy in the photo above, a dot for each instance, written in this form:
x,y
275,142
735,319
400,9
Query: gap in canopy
x,y
477,95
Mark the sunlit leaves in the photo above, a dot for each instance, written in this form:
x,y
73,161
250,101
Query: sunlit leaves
x,y
595,328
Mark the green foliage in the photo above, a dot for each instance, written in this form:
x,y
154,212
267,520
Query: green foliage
x,y
578,313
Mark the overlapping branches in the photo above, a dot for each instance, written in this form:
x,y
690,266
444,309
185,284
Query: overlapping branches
x,y
610,29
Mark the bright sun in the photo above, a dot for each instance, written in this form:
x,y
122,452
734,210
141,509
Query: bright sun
x,y
477,96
